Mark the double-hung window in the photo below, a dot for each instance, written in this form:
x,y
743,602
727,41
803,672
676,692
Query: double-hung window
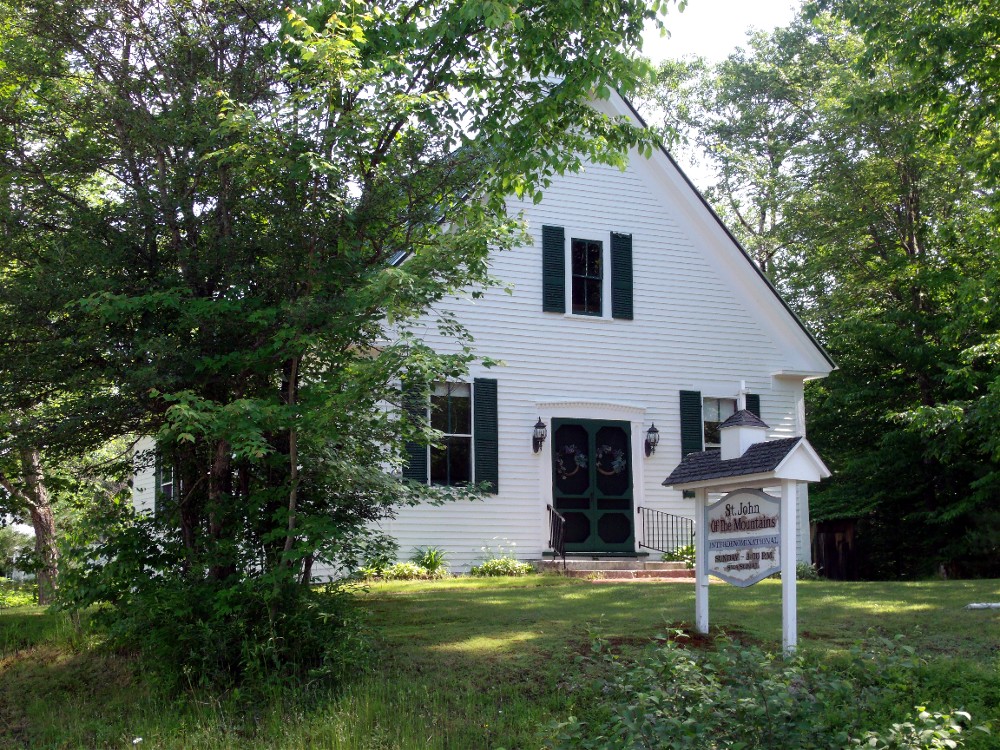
x,y
702,416
466,416
715,411
587,274
451,413
165,484
587,269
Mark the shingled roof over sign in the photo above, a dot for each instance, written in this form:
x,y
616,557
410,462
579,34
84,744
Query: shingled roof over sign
x,y
744,418
760,458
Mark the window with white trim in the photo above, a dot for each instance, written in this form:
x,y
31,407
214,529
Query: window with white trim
x,y
714,412
587,273
451,413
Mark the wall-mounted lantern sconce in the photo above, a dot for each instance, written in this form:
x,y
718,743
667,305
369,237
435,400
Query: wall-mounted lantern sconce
x,y
538,436
652,439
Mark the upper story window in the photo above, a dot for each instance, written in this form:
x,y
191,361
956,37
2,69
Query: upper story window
x,y
587,261
715,411
166,485
451,413
587,275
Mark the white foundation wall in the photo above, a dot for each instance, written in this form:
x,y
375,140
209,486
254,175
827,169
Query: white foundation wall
x,y
692,330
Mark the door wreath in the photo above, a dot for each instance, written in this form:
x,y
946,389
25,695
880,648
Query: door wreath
x,y
617,465
569,460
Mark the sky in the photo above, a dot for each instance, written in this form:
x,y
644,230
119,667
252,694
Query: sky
x,y
714,28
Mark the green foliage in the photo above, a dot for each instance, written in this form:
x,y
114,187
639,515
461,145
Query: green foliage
x,y
210,255
433,559
740,696
209,633
17,593
926,730
491,663
499,559
501,566
681,554
807,572
14,545
410,571
858,168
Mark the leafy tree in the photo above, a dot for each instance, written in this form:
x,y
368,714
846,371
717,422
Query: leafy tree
x,y
14,545
750,117
943,50
880,236
26,497
208,206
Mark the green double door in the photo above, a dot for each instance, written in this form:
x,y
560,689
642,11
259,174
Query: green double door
x,y
592,484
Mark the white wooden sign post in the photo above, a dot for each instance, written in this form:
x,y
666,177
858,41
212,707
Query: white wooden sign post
x,y
743,538
746,534
789,600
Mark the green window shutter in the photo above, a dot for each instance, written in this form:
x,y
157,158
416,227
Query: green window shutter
x,y
415,402
554,269
753,403
485,434
621,276
692,426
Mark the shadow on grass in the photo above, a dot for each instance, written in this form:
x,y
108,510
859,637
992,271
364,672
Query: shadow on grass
x,y
23,627
547,613
463,663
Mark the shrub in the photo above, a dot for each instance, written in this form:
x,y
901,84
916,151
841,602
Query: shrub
x,y
807,572
433,559
740,696
193,632
502,566
17,594
681,554
409,571
803,572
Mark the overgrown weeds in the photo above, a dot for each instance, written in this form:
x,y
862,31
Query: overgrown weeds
x,y
735,695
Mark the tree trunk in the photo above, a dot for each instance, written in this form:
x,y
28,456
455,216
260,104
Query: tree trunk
x,y
44,523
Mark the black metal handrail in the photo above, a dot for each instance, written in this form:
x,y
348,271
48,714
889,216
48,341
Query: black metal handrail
x,y
665,532
557,534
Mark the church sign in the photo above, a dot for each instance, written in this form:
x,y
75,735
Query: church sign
x,y
744,538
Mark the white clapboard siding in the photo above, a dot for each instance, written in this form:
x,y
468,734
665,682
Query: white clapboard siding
x,y
704,320
699,324
143,487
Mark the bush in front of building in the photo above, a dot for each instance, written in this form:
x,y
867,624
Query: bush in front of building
x,y
740,696
502,566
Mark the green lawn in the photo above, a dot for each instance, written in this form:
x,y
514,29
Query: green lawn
x,y
476,663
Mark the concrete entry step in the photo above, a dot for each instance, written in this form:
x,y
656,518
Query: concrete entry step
x,y
629,575
616,568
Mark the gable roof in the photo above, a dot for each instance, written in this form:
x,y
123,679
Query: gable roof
x,y
718,220
759,458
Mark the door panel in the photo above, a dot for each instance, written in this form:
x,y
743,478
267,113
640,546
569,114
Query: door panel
x,y
592,484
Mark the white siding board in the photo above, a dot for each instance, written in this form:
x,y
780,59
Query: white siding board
x,y
143,488
692,330
703,320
